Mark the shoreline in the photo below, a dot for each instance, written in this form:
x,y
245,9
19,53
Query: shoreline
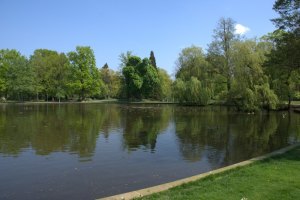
x,y
295,106
293,103
166,186
116,101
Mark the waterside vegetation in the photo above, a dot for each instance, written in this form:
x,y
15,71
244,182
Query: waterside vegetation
x,y
250,74
274,178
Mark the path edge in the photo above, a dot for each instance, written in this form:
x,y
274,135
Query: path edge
x,y
166,186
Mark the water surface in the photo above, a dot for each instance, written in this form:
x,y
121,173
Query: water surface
x,y
88,151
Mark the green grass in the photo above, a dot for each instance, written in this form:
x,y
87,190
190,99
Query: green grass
x,y
275,178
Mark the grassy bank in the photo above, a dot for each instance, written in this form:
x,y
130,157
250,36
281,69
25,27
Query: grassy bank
x,y
274,178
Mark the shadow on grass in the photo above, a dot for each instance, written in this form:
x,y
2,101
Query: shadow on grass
x,y
293,154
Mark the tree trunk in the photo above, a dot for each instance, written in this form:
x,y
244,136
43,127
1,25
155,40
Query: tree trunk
x,y
228,84
82,94
289,94
6,94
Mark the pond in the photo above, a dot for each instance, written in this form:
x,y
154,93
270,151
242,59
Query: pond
x,y
88,151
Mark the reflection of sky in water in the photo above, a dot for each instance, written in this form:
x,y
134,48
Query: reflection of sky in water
x,y
88,151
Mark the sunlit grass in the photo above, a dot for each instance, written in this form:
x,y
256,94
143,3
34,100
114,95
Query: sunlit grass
x,y
274,178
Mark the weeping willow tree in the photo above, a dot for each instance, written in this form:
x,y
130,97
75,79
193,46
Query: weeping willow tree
x,y
192,84
250,88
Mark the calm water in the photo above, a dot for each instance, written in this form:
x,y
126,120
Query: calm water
x,y
87,151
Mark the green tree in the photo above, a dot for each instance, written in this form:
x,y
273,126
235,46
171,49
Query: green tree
x,y
250,89
60,75
141,78
3,72
191,62
111,82
51,72
124,57
85,77
165,87
283,66
153,60
194,71
16,75
284,60
179,90
41,63
151,79
289,11
133,80
117,83
105,66
106,78
219,51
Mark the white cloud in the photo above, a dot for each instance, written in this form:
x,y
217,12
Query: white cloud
x,y
240,29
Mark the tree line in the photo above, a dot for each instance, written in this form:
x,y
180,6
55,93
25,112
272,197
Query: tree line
x,y
248,73
51,76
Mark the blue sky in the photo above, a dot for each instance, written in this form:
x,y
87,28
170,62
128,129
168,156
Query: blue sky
x,y
111,27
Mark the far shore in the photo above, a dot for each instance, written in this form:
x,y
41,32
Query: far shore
x,y
294,104
91,102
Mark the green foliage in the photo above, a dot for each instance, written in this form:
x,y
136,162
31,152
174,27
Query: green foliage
x,y
124,57
151,81
283,66
165,87
112,81
250,74
289,11
59,74
243,98
51,71
152,59
133,82
53,75
4,65
191,68
85,79
250,90
191,62
266,96
196,93
274,178
219,51
16,79
191,92
179,88
295,84
141,78
284,59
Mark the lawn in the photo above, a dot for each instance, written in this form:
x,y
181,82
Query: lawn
x,y
274,178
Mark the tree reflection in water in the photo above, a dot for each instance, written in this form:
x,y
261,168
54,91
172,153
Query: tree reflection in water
x,y
143,124
225,136
220,134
